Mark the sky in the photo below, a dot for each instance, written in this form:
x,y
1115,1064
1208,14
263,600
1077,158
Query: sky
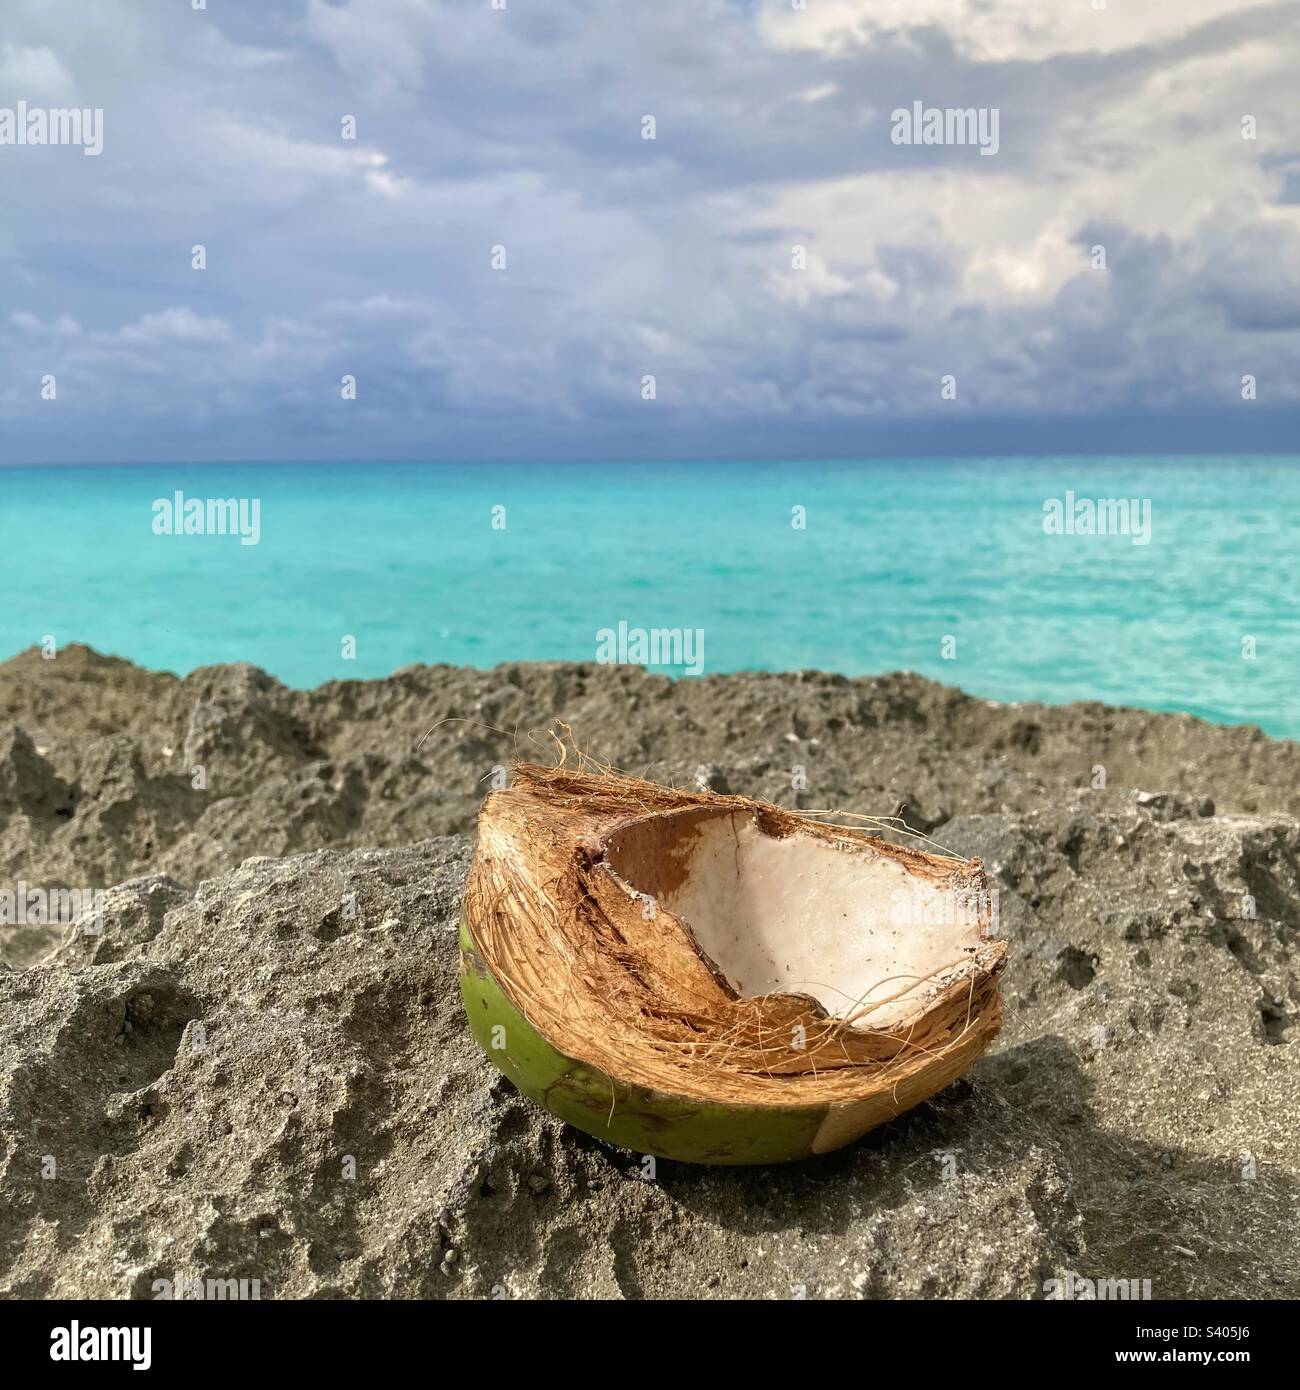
x,y
501,260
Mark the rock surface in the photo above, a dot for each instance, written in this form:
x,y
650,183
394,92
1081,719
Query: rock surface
x,y
256,1067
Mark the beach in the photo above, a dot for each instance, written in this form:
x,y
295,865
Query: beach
x,y
256,1065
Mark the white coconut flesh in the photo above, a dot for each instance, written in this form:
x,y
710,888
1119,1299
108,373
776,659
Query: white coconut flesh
x,y
850,926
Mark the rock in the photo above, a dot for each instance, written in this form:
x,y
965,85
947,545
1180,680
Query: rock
x,y
393,761
130,915
267,1076
29,786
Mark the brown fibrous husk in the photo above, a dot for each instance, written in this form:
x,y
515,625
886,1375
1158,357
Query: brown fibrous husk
x,y
569,942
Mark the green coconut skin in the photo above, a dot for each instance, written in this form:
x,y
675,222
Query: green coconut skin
x,y
647,1122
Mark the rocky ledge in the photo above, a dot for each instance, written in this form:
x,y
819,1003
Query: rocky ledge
x,y
255,1067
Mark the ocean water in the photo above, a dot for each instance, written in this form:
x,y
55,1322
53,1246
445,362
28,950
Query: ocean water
x,y
937,566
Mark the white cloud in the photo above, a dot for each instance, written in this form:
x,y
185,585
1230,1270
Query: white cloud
x,y
173,326
1005,31
32,74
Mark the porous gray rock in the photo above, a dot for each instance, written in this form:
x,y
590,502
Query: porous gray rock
x,y
262,1071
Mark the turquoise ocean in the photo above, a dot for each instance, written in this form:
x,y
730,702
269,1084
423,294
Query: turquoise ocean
x,y
894,558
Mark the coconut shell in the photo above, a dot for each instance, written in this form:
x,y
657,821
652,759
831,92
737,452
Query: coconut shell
x,y
599,1002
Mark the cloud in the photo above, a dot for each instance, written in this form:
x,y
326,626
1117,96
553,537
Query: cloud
x,y
1009,31
171,327
32,74
500,258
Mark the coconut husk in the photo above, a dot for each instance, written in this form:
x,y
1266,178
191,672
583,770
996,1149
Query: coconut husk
x,y
566,904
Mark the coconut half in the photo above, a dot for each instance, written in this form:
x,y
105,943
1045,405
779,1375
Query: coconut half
x,y
713,978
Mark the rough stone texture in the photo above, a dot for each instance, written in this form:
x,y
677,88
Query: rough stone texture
x,y
96,780
201,1071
